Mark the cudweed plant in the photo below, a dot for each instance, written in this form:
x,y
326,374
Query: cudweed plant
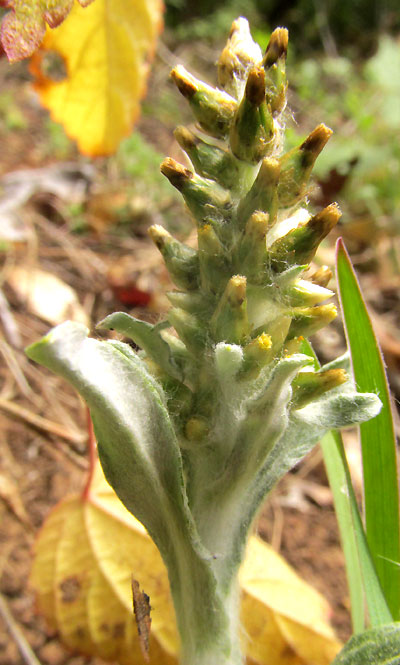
x,y
197,427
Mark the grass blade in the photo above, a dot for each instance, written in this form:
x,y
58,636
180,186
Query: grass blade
x,y
360,569
381,497
339,481
361,575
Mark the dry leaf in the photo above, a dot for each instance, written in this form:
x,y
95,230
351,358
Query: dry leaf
x,y
46,296
106,49
23,28
87,552
141,610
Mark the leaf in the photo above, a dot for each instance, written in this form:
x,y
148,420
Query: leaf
x,y
106,50
46,295
361,574
378,441
24,27
85,592
146,336
130,419
359,564
380,646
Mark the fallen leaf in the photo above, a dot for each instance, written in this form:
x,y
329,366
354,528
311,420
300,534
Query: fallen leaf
x,y
86,554
46,296
67,181
106,49
23,28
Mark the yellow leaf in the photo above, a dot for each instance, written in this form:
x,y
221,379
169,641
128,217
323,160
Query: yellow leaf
x,y
106,48
90,547
23,28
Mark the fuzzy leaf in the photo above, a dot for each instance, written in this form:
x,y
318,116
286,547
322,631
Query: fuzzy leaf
x,y
277,436
380,646
106,50
144,335
85,592
24,27
130,420
139,453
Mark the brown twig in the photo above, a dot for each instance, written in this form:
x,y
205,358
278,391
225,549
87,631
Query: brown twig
x,y
40,423
15,631
15,368
92,455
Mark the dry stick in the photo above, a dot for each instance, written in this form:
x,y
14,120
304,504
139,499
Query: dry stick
x,y
92,455
85,261
40,423
16,370
63,454
23,646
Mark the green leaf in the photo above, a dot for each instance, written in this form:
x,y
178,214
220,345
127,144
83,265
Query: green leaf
x,y
378,646
140,456
361,574
146,336
130,419
339,478
381,495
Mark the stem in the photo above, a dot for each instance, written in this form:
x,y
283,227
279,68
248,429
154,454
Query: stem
x,y
92,455
212,638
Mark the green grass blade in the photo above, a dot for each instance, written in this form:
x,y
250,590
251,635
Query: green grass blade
x,y
339,478
381,496
360,569
361,575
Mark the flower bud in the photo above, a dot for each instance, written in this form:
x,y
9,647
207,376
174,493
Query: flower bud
x,y
277,47
229,322
178,352
204,198
238,56
297,164
182,261
209,160
252,131
300,244
214,264
274,62
252,250
212,108
308,386
306,293
196,429
256,354
190,302
189,328
307,320
263,194
322,276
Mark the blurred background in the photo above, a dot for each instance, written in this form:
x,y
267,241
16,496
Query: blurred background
x,y
81,225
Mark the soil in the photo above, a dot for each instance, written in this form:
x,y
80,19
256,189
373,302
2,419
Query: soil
x,y
108,271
